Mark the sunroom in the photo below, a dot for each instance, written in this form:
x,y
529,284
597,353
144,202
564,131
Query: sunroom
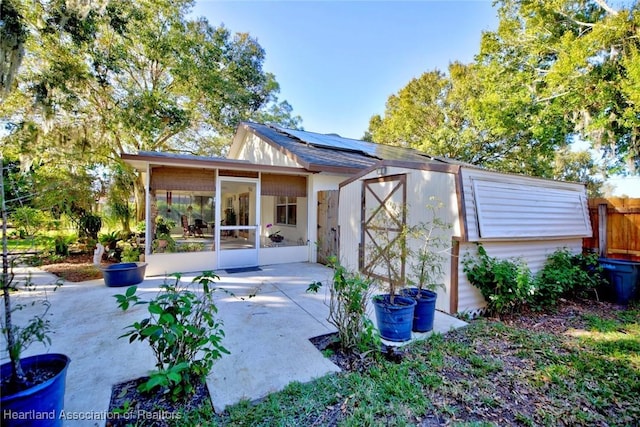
x,y
204,212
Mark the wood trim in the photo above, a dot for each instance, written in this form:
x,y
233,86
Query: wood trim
x,y
462,208
366,216
455,271
238,173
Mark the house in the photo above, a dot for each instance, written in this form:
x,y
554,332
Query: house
x,y
315,191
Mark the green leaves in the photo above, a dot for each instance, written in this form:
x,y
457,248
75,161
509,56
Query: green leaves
x,y
552,72
181,331
508,285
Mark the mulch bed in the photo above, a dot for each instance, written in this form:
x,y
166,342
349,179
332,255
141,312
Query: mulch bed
x,y
568,314
75,268
128,406
349,361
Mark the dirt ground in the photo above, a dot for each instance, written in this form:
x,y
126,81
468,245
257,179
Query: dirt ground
x,y
76,268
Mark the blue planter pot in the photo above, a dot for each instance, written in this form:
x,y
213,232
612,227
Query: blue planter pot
x,y
425,308
40,405
124,274
394,321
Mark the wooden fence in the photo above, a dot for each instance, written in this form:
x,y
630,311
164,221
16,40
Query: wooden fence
x,y
616,228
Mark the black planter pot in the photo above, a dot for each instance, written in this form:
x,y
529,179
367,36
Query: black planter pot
x,y
425,308
394,320
42,404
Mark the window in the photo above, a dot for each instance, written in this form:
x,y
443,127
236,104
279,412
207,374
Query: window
x,y
286,210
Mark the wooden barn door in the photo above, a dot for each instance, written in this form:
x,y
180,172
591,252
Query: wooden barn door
x,y
383,212
327,225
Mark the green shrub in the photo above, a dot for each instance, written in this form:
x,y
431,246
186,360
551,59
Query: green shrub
x,y
348,309
130,253
62,242
506,284
566,275
89,225
28,220
181,330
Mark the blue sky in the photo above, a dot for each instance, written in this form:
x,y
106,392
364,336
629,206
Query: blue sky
x,y
337,62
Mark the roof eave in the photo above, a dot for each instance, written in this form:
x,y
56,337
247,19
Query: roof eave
x,y
426,166
141,161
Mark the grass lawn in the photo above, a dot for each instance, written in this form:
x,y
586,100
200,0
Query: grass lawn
x,y
578,366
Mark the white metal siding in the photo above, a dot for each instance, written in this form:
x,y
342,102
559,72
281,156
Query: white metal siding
x,y
534,252
421,187
506,207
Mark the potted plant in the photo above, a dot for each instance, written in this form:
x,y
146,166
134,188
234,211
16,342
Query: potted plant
x,y
109,240
164,225
163,241
426,267
32,388
387,251
110,243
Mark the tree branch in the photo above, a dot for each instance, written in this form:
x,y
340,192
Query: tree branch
x,y
603,4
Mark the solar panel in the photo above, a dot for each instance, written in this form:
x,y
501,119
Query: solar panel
x,y
383,152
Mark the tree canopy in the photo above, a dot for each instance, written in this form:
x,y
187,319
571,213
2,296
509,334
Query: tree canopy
x,y
88,81
554,72
127,76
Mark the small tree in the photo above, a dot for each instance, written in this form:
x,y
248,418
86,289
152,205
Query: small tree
x,y
350,293
388,249
181,330
393,243
37,328
427,260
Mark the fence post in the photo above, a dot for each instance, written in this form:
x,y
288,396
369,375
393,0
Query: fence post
x,y
602,229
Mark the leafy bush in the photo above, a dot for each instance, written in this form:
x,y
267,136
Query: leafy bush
x,y
28,220
506,284
182,331
130,253
62,242
348,309
89,225
566,274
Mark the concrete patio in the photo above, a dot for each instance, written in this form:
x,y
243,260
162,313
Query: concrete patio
x,y
267,335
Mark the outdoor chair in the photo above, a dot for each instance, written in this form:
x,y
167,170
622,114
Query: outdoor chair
x,y
198,226
186,228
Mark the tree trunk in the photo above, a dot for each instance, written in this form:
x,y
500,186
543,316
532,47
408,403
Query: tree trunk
x,y
139,197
